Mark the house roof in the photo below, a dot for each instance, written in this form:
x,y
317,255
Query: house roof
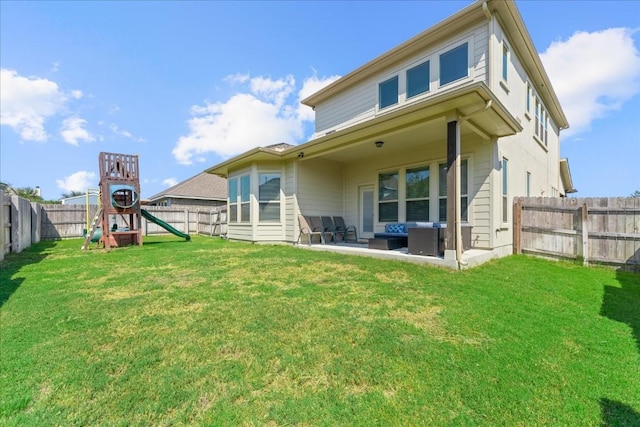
x,y
516,32
494,118
203,186
565,176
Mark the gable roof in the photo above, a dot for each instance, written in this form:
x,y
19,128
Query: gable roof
x,y
203,186
512,23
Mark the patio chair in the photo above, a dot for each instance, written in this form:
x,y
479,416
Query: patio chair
x,y
345,229
307,230
330,227
316,225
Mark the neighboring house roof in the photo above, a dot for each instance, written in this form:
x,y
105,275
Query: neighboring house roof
x,y
565,176
516,32
203,186
283,146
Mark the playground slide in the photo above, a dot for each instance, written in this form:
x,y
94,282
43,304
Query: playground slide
x,y
164,225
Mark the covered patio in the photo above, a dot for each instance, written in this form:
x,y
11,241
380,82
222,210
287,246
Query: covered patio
x,y
470,258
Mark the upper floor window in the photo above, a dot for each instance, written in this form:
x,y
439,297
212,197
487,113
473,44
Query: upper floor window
x,y
541,122
454,64
388,92
505,61
388,197
269,197
417,184
528,98
418,79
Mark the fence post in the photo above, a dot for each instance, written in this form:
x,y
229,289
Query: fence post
x,y
517,226
585,234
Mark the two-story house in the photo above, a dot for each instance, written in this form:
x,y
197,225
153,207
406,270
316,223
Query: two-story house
x,y
448,127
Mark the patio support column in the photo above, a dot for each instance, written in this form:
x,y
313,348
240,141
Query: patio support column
x,y
453,197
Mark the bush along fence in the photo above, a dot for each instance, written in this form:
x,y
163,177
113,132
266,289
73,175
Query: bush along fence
x,y
591,230
25,223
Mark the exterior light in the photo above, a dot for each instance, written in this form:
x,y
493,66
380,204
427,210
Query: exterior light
x,y
379,144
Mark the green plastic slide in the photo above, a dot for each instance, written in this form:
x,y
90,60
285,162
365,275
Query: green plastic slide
x,y
164,225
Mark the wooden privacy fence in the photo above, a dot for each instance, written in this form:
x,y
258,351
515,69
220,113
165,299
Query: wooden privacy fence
x,y
594,230
23,223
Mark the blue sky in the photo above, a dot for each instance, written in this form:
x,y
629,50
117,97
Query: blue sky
x,y
187,84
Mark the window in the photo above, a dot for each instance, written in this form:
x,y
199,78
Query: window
x,y
505,61
418,80
505,198
528,185
269,197
245,197
388,197
417,185
454,64
528,99
388,92
541,122
464,191
233,199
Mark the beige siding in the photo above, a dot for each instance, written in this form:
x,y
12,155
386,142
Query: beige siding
x,y
290,201
320,187
240,232
269,233
480,196
359,103
365,172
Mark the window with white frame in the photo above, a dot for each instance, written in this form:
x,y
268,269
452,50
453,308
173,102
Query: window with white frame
x,y
505,190
454,64
233,199
388,197
269,197
388,92
245,198
541,122
418,79
464,191
505,61
417,193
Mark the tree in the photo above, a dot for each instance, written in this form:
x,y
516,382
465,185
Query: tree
x,y
72,194
635,193
29,193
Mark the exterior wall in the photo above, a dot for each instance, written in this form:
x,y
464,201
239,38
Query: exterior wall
x,y
360,103
365,172
320,187
254,230
525,151
290,201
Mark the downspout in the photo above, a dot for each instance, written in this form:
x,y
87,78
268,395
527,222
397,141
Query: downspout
x,y
458,219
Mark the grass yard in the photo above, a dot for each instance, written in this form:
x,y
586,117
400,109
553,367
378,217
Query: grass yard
x,y
211,332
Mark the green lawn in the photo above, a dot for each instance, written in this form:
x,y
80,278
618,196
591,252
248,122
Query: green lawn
x,y
210,332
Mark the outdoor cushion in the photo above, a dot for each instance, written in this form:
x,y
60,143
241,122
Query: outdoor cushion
x,y
395,228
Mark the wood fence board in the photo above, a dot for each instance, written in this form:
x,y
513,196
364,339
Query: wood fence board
x,y
604,230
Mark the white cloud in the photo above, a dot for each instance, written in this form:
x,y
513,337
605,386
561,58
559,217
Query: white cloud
x,y
170,182
267,114
76,94
78,181
26,103
73,131
593,74
310,86
115,129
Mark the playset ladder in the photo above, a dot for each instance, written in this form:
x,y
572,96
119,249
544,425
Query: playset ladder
x,y
94,226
